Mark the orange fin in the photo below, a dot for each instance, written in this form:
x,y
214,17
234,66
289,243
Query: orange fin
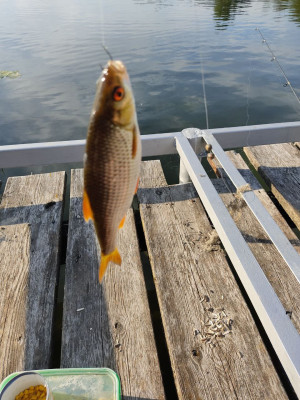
x,y
134,141
137,186
122,222
86,207
114,257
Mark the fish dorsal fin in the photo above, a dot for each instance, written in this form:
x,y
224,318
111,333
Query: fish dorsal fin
x,y
134,140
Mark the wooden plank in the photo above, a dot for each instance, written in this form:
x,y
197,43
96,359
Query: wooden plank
x,y
152,175
38,201
14,269
195,288
108,325
279,165
276,270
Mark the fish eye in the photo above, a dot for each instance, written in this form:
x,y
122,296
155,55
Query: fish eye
x,y
118,93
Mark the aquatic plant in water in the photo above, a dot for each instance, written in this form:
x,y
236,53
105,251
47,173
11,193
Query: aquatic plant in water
x,y
9,74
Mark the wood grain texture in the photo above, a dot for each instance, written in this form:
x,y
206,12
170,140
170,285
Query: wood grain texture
x,y
37,200
152,175
14,270
195,287
33,190
108,325
278,273
279,165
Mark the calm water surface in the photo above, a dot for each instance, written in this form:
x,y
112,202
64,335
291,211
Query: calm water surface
x,y
56,46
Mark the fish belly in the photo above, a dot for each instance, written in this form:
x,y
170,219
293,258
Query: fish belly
x,y
110,178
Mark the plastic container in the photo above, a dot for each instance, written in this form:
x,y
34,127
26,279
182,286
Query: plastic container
x,y
77,384
23,381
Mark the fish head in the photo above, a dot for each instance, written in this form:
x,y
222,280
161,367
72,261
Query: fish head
x,y
114,97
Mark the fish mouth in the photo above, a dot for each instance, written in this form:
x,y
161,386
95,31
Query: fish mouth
x,y
116,65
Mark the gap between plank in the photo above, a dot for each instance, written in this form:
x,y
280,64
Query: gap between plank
x,y
59,296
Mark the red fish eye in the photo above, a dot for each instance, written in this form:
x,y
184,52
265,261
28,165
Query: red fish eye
x,y
118,93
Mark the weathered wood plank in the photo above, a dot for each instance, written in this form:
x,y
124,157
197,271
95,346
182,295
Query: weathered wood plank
x,y
38,201
108,325
196,288
14,269
279,165
152,174
274,267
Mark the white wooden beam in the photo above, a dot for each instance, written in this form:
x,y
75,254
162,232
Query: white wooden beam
x,y
279,328
256,135
194,136
287,251
25,155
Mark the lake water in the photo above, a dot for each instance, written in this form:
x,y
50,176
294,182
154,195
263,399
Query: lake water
x,y
165,44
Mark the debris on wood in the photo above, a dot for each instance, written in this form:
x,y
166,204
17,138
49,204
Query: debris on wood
x,y
217,325
212,241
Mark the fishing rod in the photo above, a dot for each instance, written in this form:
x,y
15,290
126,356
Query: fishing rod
x,y
274,58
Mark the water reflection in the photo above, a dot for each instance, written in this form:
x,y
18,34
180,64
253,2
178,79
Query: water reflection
x,y
293,6
225,11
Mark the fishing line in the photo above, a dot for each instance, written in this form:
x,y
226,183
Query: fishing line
x,y
204,91
247,96
107,52
248,101
206,117
274,58
102,22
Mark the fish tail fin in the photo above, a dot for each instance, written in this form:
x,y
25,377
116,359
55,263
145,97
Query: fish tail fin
x,y
114,257
86,207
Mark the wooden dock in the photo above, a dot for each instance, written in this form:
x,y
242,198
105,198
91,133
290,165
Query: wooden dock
x,y
173,321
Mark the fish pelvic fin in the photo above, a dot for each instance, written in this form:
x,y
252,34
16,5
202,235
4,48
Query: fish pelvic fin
x,y
122,222
86,207
137,186
114,257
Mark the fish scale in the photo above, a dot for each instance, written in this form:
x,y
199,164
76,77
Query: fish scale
x,y
115,199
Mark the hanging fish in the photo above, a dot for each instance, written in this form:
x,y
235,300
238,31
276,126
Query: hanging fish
x,y
112,159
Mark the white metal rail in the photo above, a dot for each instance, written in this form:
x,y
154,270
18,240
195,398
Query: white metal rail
x,y
24,155
278,326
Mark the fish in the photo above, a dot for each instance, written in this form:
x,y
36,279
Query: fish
x,y
112,159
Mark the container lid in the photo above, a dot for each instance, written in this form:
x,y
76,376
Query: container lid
x,y
80,383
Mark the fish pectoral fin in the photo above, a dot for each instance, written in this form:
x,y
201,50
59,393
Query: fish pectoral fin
x,y
86,207
137,186
122,222
114,257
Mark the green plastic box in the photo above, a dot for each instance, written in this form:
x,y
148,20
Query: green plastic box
x,y
79,383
